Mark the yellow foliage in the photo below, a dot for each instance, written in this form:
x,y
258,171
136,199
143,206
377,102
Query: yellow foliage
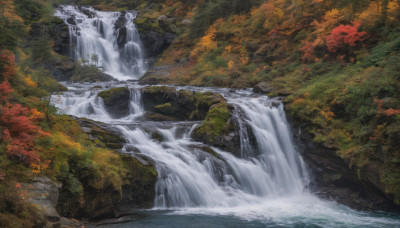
x,y
207,42
30,82
327,114
65,141
38,167
371,16
231,64
7,10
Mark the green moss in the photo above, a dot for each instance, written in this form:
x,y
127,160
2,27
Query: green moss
x,y
146,24
216,121
165,108
108,93
159,89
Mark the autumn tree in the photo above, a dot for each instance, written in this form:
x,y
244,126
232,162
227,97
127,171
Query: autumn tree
x,y
344,38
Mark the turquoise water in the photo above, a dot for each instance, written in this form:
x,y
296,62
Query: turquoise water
x,y
301,212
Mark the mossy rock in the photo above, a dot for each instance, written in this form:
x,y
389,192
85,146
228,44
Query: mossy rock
x,y
218,129
139,189
99,133
116,101
215,123
165,108
85,73
181,104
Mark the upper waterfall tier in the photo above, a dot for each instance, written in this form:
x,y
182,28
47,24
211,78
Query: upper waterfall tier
x,y
107,39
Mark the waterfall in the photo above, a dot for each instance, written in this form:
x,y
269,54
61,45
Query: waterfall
x,y
109,40
191,176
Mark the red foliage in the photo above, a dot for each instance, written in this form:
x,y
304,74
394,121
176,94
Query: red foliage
x,y
391,112
388,112
5,90
308,50
7,60
344,37
19,132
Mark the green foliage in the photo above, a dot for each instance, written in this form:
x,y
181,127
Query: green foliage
x,y
211,10
11,31
41,50
29,10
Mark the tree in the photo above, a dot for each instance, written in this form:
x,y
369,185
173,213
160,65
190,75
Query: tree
x,y
19,132
344,38
41,50
95,59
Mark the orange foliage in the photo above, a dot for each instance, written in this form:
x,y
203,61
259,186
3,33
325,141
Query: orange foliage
x,y
7,10
388,112
327,114
391,112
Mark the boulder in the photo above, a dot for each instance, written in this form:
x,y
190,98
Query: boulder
x,y
101,134
163,21
263,87
62,69
218,129
43,193
186,22
91,74
116,101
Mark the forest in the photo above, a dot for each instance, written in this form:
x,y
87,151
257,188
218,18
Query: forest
x,y
336,62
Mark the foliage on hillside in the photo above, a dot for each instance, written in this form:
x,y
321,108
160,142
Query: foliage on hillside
x,y
337,59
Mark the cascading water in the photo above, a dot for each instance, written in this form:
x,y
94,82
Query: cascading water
x,y
189,176
107,39
266,183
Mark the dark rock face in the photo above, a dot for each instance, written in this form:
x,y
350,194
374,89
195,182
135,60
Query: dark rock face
x,y
178,105
120,30
61,42
155,42
62,69
333,179
116,101
121,21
